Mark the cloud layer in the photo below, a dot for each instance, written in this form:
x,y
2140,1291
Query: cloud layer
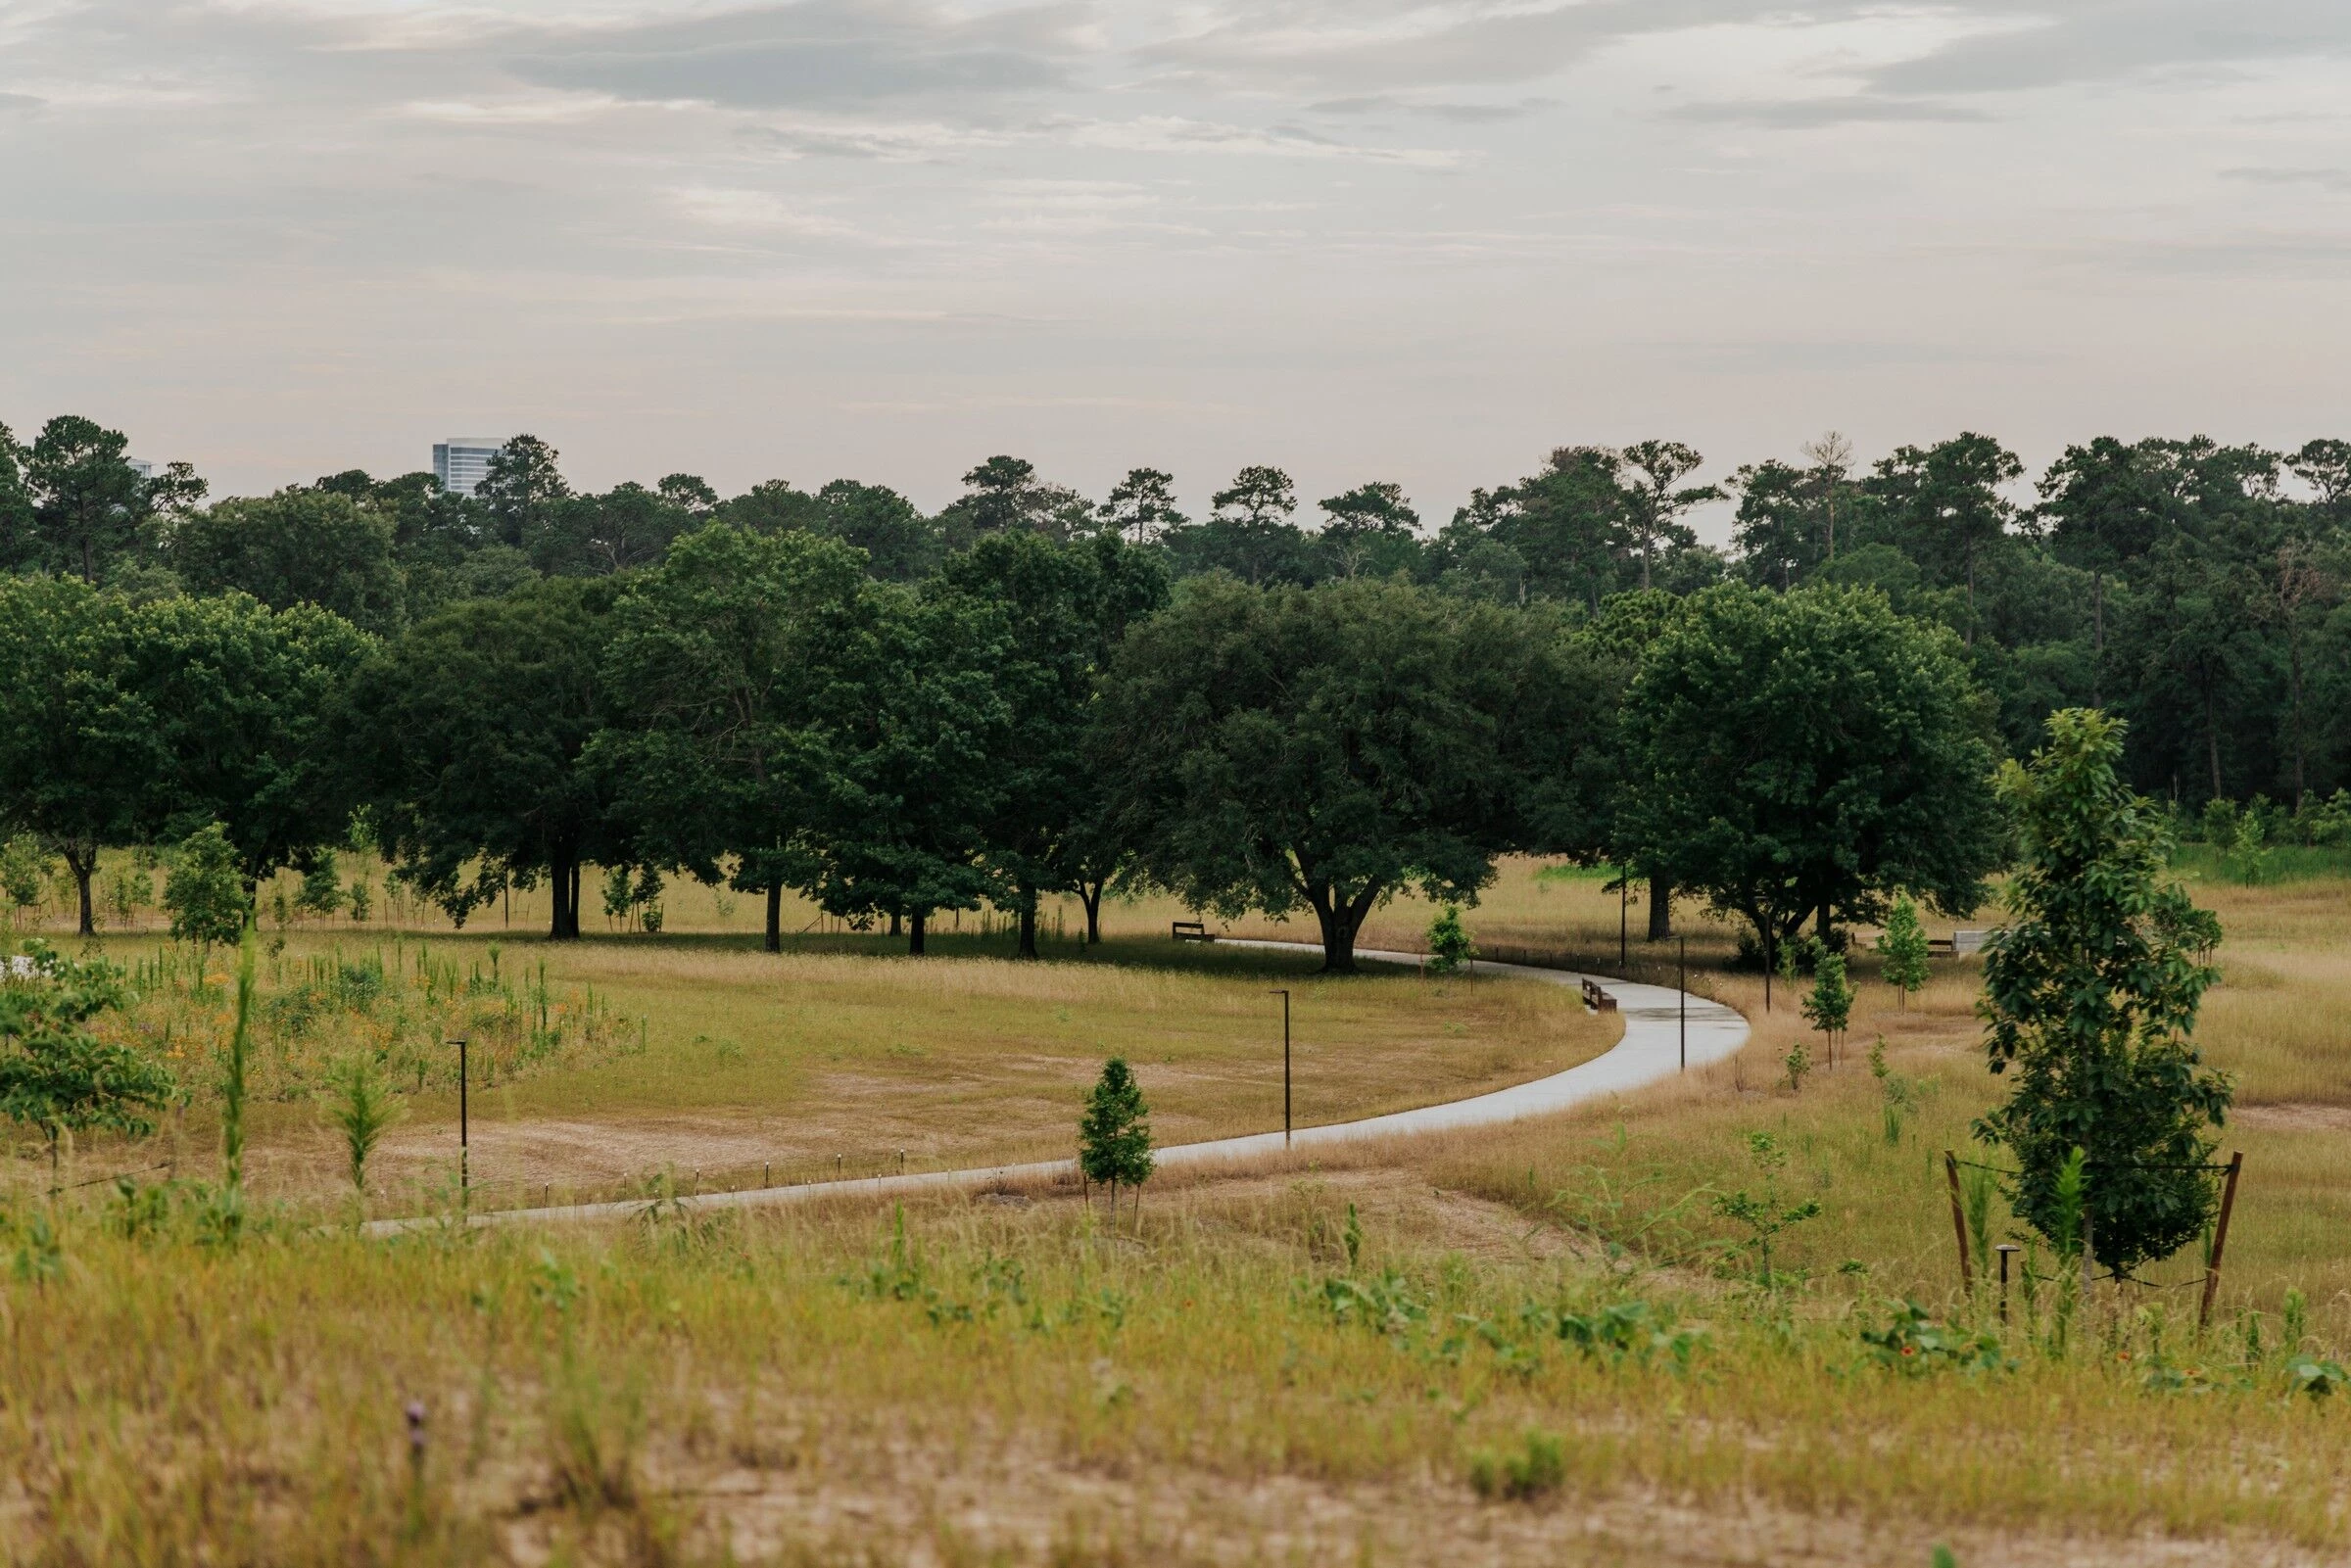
x,y
1422,240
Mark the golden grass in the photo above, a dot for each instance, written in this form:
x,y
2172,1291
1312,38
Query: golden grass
x,y
1022,1385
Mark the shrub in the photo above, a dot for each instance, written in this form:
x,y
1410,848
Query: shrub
x,y
54,1074
205,891
1448,944
1903,945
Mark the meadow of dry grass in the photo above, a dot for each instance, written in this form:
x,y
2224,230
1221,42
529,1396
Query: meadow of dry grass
x,y
1226,1378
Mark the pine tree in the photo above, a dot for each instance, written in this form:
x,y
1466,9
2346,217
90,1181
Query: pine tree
x,y
1903,944
1114,1136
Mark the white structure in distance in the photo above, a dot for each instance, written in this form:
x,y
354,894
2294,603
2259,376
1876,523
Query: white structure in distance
x,y
463,463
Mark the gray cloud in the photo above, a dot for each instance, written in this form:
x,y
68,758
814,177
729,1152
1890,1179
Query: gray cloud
x,y
2333,179
818,52
1810,113
17,103
2103,40
1458,114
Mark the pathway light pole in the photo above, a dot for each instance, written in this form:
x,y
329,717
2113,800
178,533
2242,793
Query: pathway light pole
x,y
1285,1065
464,1152
1682,989
1624,894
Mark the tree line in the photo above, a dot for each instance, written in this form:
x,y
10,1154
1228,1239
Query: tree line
x,y
1031,693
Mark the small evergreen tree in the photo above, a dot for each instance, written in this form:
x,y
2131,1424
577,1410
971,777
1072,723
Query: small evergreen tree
x,y
1448,944
364,1105
1903,945
2091,991
1830,1006
1114,1136
204,892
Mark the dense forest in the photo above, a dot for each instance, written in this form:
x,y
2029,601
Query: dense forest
x,y
900,713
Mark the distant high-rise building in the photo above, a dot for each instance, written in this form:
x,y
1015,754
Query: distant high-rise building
x,y
463,463
141,467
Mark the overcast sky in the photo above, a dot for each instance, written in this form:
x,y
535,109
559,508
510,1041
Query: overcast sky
x,y
1359,239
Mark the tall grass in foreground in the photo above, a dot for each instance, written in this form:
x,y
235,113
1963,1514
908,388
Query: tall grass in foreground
x,y
172,1401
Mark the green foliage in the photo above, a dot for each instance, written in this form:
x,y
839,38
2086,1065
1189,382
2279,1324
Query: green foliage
x,y
2247,857
1449,945
25,866
1765,1214
1534,1470
79,743
2091,991
1797,1063
55,1075
1114,1136
362,1109
301,546
1897,1094
1808,751
1915,1345
1322,748
469,740
1904,946
1830,1004
323,893
205,890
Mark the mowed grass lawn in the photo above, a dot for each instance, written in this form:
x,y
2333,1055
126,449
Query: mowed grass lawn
x,y
840,1057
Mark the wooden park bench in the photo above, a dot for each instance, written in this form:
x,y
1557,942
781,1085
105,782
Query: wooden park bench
x,y
1190,930
1598,1000
1956,946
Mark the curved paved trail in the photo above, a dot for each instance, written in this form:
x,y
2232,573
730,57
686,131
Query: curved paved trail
x,y
1652,1050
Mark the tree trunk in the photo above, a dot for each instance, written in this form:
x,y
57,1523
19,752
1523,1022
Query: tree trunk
x,y
1027,902
775,917
897,924
1338,934
84,865
564,883
1090,895
914,933
1660,908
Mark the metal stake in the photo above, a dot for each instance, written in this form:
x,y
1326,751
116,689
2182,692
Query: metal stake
x,y
1285,1065
465,1142
1682,990
1625,893
2005,1249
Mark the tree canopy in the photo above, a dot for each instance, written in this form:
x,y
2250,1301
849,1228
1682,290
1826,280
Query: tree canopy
x,y
1809,754
1323,748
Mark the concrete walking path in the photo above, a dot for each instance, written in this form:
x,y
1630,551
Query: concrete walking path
x,y
1657,1033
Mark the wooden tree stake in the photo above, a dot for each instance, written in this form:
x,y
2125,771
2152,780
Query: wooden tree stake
x,y
2220,1239
1950,1171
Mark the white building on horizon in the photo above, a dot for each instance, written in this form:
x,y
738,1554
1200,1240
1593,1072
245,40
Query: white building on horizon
x,y
463,463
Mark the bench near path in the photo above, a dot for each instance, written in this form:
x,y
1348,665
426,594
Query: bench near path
x,y
1652,1050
